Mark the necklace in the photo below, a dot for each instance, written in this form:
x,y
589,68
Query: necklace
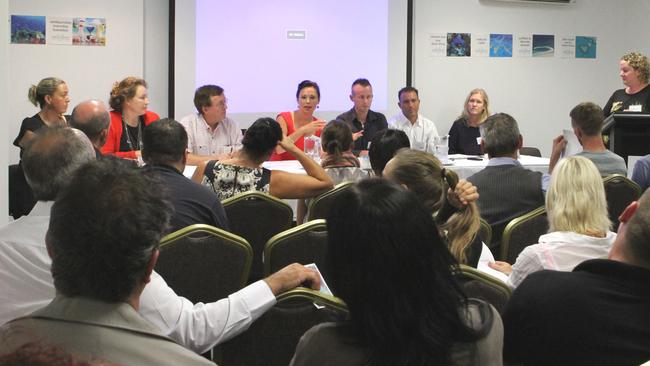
x,y
138,140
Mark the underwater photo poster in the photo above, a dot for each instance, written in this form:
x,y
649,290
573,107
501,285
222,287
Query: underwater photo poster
x,y
459,44
28,29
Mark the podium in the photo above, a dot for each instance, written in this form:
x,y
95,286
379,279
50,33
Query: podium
x,y
629,133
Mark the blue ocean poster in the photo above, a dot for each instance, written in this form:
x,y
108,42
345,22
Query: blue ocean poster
x,y
28,29
543,45
586,47
500,45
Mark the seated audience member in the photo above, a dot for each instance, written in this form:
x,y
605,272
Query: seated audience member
x,y
91,117
384,146
507,189
394,272
129,117
364,122
301,122
164,150
598,314
49,159
464,135
578,223
26,281
587,122
423,174
337,159
51,96
641,172
209,131
244,172
420,130
103,238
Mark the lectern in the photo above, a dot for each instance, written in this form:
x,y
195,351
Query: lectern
x,y
629,133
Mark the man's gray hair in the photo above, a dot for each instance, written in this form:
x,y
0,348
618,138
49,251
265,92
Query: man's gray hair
x,y
501,135
51,158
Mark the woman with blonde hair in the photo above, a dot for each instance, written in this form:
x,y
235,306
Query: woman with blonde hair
x,y
129,117
635,97
464,134
423,174
578,223
51,96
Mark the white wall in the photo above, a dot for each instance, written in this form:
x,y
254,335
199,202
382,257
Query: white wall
x,y
538,92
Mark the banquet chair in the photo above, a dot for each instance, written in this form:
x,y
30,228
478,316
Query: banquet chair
x,y
485,232
619,192
319,206
483,286
530,151
521,232
204,263
256,217
271,340
306,243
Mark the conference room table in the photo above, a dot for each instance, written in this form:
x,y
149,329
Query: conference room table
x,y
463,165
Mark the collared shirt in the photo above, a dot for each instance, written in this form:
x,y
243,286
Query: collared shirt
x,y
559,251
641,172
421,134
113,332
546,178
375,122
202,140
27,285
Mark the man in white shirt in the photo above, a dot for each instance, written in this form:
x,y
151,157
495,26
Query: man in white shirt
x,y
211,135
27,285
420,130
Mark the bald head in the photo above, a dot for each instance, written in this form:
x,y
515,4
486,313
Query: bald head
x,y
633,240
52,156
91,117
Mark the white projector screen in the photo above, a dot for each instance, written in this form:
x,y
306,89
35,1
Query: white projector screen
x,y
259,51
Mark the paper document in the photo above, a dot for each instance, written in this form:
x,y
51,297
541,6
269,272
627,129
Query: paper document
x,y
323,285
572,144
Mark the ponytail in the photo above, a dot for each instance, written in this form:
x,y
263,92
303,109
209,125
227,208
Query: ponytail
x,y
463,226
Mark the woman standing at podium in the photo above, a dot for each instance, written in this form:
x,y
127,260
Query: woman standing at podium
x,y
635,97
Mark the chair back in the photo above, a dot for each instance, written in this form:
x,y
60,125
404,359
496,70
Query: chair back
x,y
620,192
521,232
256,217
204,263
271,340
530,151
485,232
483,286
306,243
320,206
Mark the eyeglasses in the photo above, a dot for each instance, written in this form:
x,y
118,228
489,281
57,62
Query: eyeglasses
x,y
222,104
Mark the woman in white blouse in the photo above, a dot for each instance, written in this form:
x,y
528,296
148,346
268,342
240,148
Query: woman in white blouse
x,y
578,223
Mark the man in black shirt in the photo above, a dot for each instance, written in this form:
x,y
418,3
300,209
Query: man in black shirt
x,y
363,122
599,314
165,153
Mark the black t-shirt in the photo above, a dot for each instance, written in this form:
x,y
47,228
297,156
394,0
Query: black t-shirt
x,y
462,138
134,134
621,101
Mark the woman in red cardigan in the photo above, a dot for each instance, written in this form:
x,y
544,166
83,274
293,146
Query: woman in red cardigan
x,y
129,116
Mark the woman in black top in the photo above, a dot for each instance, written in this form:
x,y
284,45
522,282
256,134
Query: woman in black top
x,y
464,133
51,96
635,97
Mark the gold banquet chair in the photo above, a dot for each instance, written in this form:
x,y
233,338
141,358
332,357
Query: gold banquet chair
x,y
483,286
271,340
256,217
204,263
619,192
306,243
521,232
320,206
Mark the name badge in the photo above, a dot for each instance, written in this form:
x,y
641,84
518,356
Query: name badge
x,y
635,108
478,140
